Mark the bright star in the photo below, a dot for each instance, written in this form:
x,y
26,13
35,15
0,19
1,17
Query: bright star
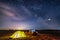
x,y
49,19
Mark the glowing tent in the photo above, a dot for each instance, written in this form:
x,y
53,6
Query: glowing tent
x,y
18,34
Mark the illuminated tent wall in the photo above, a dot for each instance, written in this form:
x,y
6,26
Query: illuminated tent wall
x,y
18,34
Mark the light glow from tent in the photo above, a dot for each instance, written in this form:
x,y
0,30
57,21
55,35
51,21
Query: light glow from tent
x,y
18,34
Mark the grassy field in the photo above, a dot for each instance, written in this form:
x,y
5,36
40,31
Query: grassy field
x,y
41,35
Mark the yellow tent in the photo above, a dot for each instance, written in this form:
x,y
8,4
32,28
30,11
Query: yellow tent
x,y
18,34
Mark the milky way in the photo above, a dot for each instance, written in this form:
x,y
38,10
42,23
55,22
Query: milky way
x,y
29,14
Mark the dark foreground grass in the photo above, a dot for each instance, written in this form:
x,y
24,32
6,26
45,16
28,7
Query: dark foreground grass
x,y
41,35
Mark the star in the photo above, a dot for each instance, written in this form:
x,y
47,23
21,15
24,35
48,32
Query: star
x,y
49,19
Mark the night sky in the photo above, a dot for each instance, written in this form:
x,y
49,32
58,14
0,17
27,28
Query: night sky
x,y
30,14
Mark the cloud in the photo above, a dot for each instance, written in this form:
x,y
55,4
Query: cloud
x,y
10,12
22,13
26,11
